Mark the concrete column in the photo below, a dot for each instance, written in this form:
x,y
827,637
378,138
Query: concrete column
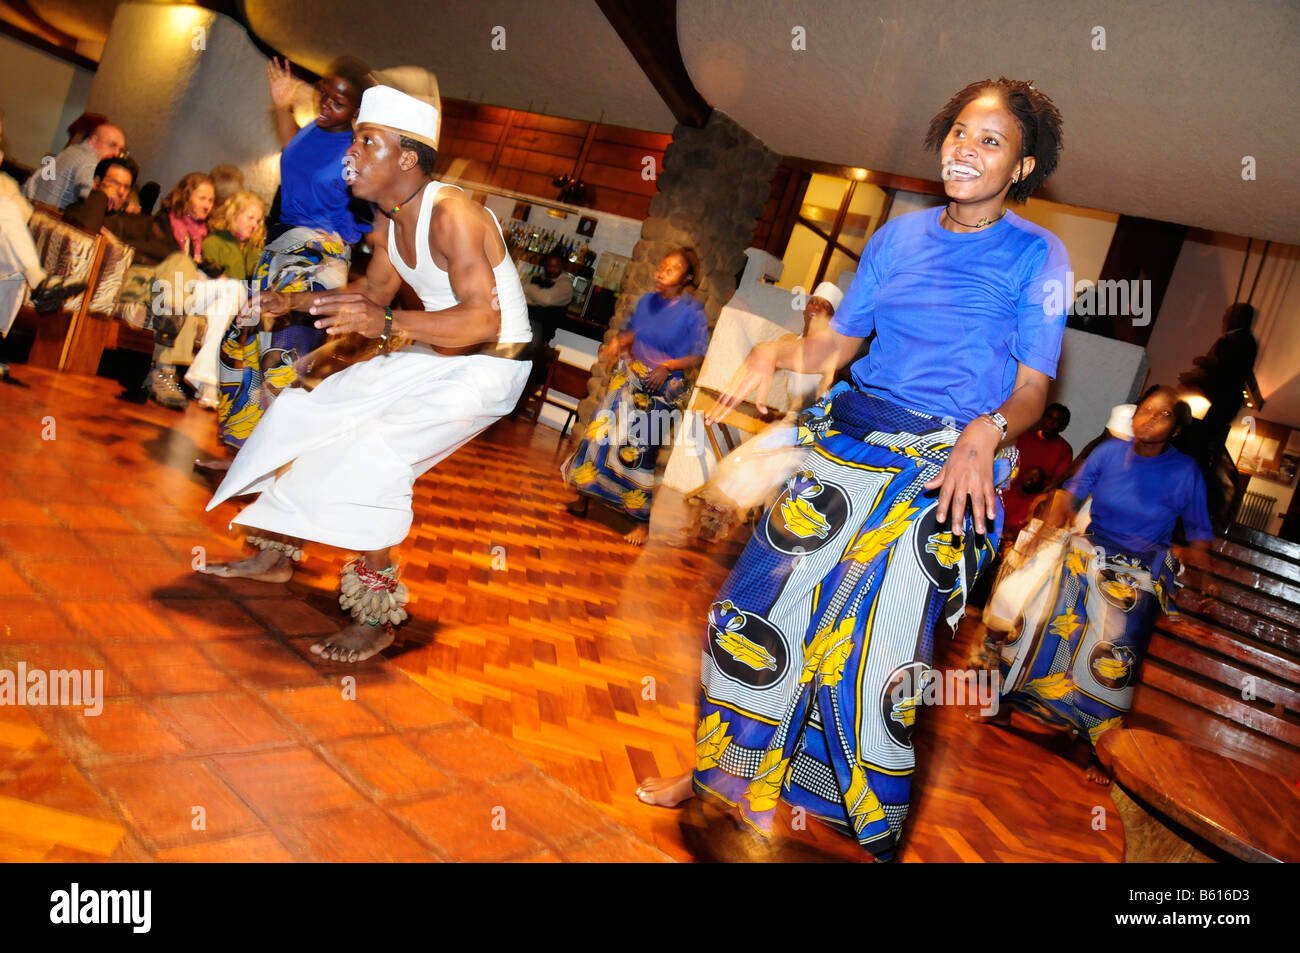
x,y
189,89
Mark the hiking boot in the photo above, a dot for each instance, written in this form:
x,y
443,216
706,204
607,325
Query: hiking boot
x,y
164,388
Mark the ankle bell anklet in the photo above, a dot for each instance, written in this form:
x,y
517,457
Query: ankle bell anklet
x,y
261,542
373,597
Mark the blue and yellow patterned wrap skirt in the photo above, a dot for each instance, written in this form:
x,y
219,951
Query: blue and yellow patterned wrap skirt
x,y
1073,657
830,609
615,461
252,361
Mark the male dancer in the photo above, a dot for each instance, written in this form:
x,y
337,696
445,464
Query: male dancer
x,y
336,465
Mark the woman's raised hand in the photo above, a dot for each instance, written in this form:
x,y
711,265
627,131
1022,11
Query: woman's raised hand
x,y
283,83
754,376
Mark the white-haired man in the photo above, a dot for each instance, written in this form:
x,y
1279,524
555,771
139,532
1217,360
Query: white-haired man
x,y
73,173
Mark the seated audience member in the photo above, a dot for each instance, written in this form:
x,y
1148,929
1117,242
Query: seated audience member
x,y
1076,650
70,177
1041,448
226,181
184,214
107,207
548,294
753,474
83,126
236,234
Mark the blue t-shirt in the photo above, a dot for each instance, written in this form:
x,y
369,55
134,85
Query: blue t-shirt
x,y
312,190
954,313
668,328
1137,500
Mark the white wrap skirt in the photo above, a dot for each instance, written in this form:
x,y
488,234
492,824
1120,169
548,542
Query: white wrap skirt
x,y
336,465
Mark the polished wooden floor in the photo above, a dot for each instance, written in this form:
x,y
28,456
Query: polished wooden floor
x,y
549,666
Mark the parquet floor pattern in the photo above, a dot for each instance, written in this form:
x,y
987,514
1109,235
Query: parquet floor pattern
x,y
549,666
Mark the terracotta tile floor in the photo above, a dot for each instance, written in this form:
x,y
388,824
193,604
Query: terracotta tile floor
x,y
221,737
547,668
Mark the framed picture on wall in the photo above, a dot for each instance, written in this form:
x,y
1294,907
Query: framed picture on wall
x,y
586,226
1268,450
520,214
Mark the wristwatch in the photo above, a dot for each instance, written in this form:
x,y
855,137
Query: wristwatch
x,y
998,421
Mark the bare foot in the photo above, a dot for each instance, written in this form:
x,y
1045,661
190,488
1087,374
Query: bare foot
x,y
356,643
666,792
1095,773
639,535
1083,756
267,565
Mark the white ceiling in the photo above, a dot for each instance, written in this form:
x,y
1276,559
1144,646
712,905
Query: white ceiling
x,y
561,57
1156,125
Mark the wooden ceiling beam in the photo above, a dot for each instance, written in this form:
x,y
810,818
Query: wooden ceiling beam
x,y
648,28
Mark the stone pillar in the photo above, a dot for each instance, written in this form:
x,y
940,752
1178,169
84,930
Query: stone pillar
x,y
712,189
189,89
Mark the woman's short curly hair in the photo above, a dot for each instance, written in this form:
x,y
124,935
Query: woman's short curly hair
x,y
354,71
692,259
1038,118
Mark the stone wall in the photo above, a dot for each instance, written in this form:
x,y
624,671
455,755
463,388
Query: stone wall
x,y
712,189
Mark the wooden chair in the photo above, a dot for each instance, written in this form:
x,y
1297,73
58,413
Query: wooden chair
x,y
539,382
74,337
570,381
743,417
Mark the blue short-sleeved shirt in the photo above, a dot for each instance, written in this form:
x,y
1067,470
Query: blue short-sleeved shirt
x,y
312,190
668,328
955,313
1137,500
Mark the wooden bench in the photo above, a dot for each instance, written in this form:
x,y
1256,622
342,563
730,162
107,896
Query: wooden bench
x,y
1244,811
74,337
1222,686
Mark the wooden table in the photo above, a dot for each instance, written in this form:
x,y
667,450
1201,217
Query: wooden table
x,y
1241,809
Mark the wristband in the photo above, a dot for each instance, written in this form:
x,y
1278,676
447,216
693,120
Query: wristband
x,y
998,421
388,329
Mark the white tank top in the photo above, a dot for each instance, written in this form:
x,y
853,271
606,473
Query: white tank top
x,y
433,285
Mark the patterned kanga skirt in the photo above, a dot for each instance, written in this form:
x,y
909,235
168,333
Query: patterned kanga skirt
x,y
615,462
819,640
1073,658
253,365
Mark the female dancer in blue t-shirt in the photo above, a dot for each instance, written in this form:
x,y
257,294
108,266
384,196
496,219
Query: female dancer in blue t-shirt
x,y
1077,648
818,642
666,336
308,243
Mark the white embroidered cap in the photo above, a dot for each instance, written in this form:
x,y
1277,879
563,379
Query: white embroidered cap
x,y
412,117
830,293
